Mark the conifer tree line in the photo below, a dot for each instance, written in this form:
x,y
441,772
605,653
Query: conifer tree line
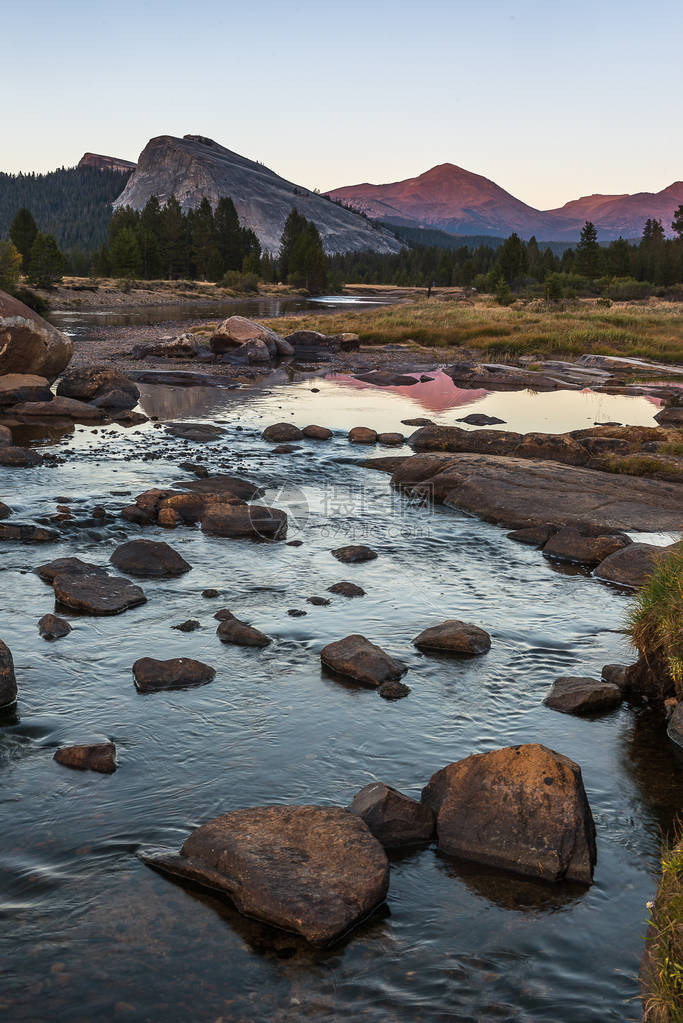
x,y
589,268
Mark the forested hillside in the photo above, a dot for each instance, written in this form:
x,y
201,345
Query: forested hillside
x,y
72,203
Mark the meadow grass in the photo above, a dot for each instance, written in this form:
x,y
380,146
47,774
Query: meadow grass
x,y
652,331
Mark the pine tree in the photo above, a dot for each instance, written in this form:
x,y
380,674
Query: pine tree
x,y
149,239
124,254
203,238
512,263
175,242
228,234
23,233
588,257
45,266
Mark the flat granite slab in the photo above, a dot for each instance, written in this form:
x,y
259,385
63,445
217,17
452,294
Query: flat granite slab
x,y
519,492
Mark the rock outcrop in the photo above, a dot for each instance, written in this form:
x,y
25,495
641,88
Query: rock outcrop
x,y
28,343
196,167
313,870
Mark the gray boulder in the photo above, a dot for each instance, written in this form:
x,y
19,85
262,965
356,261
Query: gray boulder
x,y
28,343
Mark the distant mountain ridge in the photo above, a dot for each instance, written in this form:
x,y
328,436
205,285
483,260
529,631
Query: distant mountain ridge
x,y
452,199
195,167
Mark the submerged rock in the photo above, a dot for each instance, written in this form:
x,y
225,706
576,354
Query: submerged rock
x,y
27,532
522,808
97,756
19,458
313,870
177,673
394,819
53,627
149,559
454,637
28,343
578,695
232,630
535,536
94,593
199,432
393,690
356,658
8,681
346,589
354,553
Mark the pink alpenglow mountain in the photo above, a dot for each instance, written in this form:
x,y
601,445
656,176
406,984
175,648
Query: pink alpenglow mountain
x,y
457,201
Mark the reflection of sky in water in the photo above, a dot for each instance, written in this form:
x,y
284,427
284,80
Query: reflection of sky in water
x,y
343,402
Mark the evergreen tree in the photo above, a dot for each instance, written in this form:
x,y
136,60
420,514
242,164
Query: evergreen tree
x,y
23,233
203,238
10,266
124,254
149,239
175,241
228,234
45,266
302,259
587,260
677,223
512,263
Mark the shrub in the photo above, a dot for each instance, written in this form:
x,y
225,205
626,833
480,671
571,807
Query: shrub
x,y
236,281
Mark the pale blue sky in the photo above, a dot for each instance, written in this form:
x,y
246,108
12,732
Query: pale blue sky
x,y
550,100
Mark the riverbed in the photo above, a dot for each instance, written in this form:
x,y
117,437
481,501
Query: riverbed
x,y
88,929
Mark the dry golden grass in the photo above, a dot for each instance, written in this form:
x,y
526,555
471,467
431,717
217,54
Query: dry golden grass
x,y
653,331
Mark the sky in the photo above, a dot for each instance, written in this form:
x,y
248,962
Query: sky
x,y
550,100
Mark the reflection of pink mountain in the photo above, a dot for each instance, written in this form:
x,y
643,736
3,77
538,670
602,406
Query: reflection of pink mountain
x,y
436,395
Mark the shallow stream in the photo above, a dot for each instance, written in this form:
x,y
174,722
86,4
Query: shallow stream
x,y
87,930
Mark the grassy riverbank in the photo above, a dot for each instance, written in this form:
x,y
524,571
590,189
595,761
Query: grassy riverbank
x,y
663,968
650,331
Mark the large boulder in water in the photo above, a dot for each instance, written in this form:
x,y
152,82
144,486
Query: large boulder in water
x,y
149,559
28,343
359,660
8,682
394,819
522,808
95,593
88,383
313,870
238,333
152,675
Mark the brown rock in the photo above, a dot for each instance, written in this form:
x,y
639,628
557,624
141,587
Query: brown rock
x,y
200,432
631,566
8,682
317,432
385,378
53,627
535,536
362,435
346,589
391,439
518,493
238,331
88,383
352,554
572,544
19,458
60,408
232,630
356,658
393,690
148,559
616,674
454,637
98,756
282,432
670,417
5,510
316,871
473,419
394,819
386,463
26,532
94,593
191,625
177,673
20,387
28,343
523,809
252,522
575,695
69,566
5,437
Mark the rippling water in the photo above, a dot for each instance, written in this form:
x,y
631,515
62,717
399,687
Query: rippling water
x,y
87,929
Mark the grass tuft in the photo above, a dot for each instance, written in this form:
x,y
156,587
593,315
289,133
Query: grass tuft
x,y
655,620
664,975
